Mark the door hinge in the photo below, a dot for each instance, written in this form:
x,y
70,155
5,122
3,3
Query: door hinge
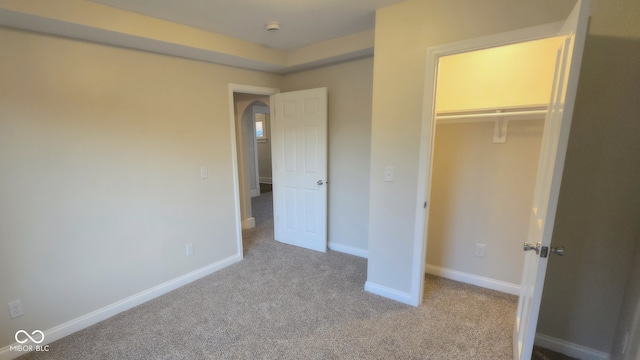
x,y
424,206
544,252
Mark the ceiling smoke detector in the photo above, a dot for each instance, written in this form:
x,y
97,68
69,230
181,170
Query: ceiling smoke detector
x,y
273,26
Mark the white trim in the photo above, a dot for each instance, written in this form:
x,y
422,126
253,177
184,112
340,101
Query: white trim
x,y
389,293
249,223
569,349
428,127
94,317
254,192
248,89
482,281
501,39
348,250
302,244
266,180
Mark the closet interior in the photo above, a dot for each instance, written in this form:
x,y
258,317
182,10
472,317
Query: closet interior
x,y
490,113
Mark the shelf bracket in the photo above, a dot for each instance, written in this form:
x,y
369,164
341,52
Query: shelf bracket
x,y
500,130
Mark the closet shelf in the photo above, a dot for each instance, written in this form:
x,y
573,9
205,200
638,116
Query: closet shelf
x,y
500,117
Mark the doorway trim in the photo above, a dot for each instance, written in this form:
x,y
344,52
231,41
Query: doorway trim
x,y
428,133
246,89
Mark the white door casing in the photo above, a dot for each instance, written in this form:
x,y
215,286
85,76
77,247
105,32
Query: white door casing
x,y
299,148
428,133
550,167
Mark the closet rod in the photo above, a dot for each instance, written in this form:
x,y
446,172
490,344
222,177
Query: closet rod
x,y
493,114
517,115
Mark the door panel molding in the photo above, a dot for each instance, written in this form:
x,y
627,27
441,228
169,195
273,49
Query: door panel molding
x,y
300,167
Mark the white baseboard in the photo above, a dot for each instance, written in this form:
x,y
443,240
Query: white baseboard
x,y
389,293
92,318
254,193
265,180
569,349
249,223
349,250
472,279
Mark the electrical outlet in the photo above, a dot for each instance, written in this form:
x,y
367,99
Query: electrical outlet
x,y
189,249
480,249
15,309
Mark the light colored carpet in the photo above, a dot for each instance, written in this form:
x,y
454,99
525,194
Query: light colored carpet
x,y
283,302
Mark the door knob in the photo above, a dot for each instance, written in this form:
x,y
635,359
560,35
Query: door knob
x,y
528,247
557,250
319,182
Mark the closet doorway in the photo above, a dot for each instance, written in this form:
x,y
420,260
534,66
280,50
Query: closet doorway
x,y
557,124
490,111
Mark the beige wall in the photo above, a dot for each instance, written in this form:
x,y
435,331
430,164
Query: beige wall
x,y
504,76
349,85
482,192
597,213
100,155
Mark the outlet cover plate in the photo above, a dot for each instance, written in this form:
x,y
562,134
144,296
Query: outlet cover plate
x,y
480,250
15,309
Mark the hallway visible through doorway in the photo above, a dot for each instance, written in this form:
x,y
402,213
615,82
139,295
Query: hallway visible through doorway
x,y
262,207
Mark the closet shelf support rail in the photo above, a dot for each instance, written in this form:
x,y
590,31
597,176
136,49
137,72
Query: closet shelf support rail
x,y
500,117
489,116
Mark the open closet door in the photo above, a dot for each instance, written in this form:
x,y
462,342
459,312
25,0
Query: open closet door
x,y
299,151
550,167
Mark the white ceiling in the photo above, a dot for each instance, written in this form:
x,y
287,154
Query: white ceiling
x,y
302,21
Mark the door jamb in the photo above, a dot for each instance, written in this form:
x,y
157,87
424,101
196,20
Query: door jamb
x,y
428,132
247,89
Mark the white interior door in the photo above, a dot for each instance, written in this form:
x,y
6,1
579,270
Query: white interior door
x,y
299,150
551,164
